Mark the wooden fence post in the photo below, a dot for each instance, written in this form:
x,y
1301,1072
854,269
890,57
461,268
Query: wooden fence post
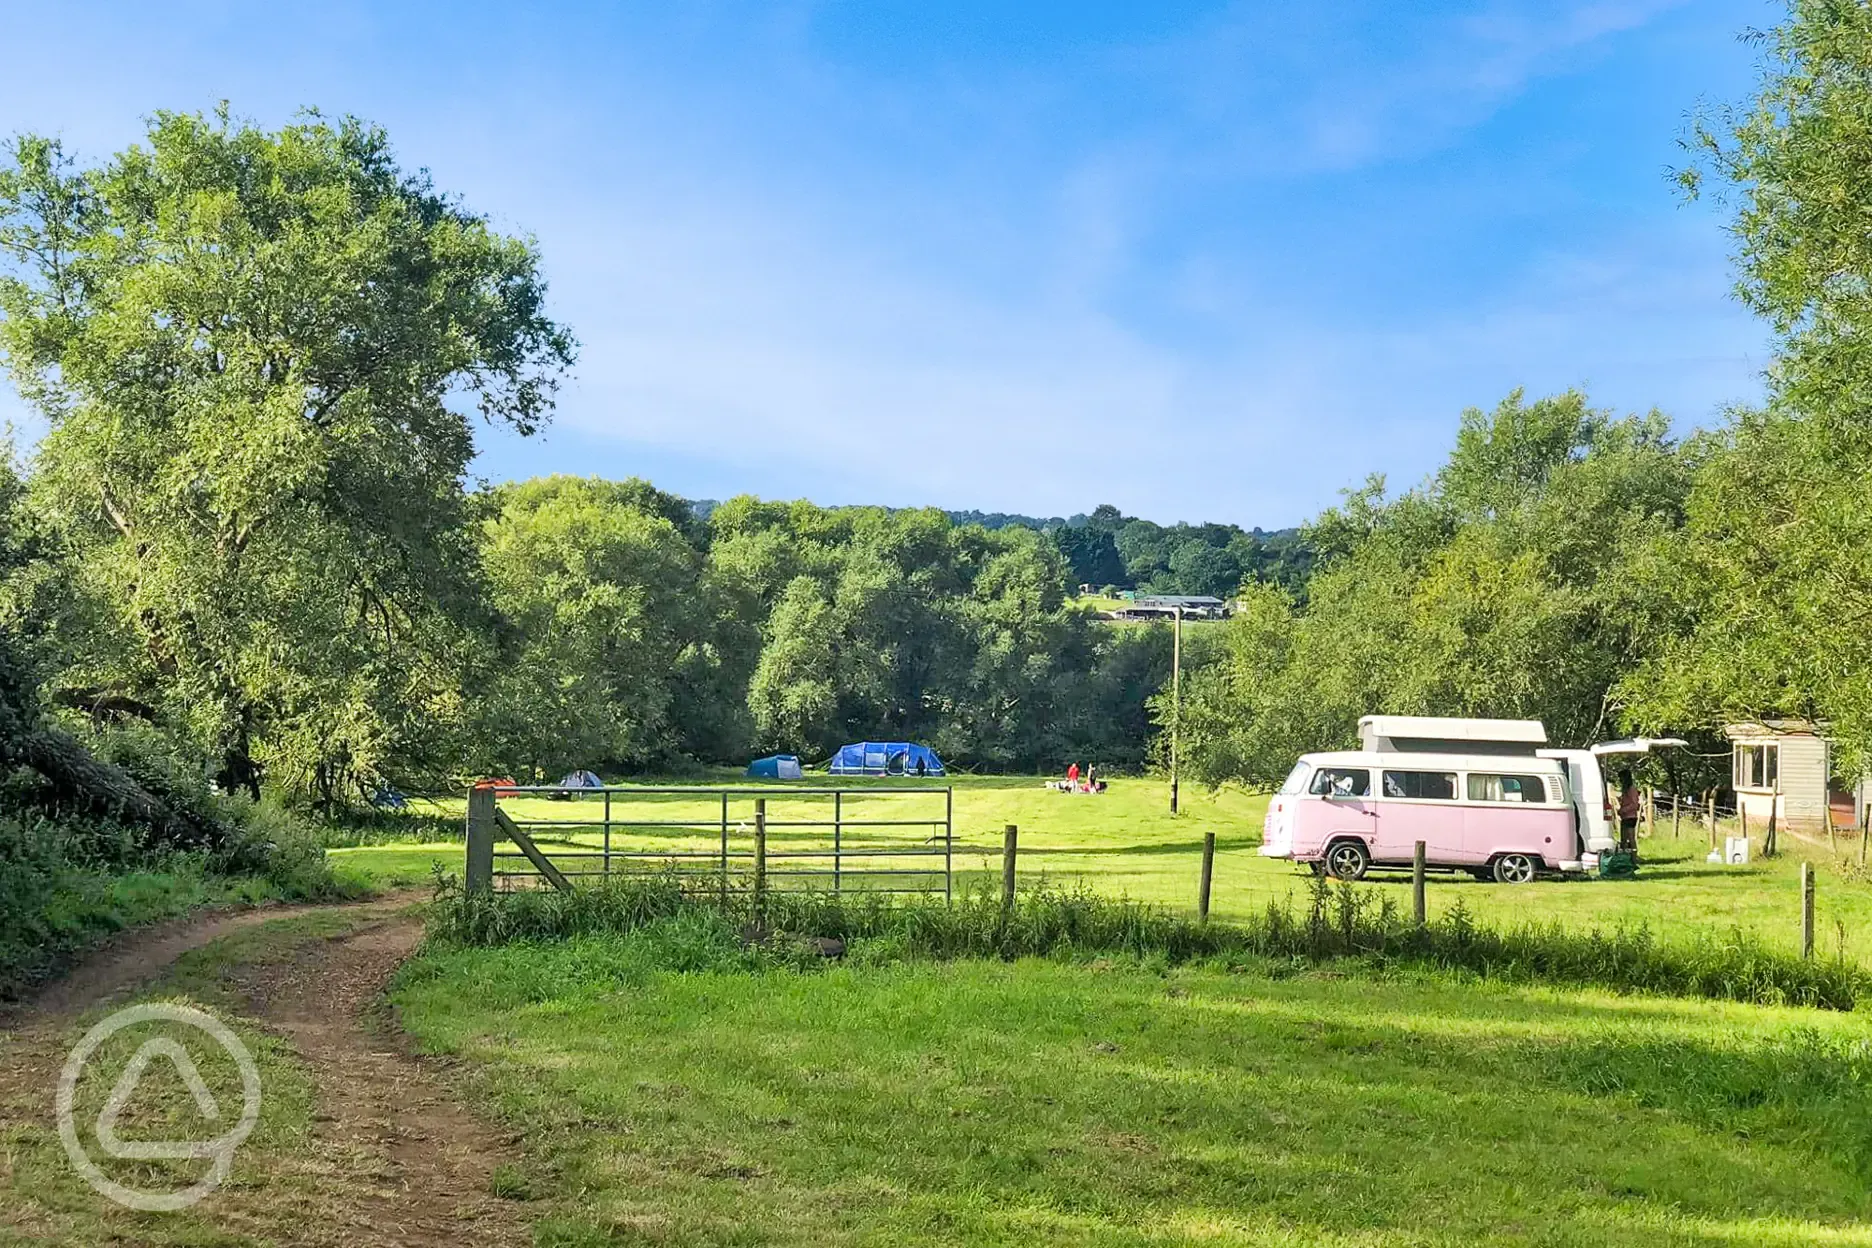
x,y
1650,813
1208,875
1676,815
760,857
1419,906
1709,810
1807,909
1010,847
480,871
1826,812
1865,829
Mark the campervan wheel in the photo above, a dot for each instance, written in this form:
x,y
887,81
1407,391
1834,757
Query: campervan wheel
x,y
1514,869
1347,860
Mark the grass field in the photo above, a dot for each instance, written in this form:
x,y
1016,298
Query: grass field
x,y
1125,841
1120,1103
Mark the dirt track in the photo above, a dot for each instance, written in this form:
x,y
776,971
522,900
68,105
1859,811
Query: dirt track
x,y
393,1159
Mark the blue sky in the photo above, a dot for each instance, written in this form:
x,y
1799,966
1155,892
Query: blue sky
x,y
1203,261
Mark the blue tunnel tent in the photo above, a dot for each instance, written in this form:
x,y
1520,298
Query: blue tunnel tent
x,y
884,758
581,780
775,767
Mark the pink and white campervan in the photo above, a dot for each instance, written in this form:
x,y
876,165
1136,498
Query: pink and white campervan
x,y
1483,795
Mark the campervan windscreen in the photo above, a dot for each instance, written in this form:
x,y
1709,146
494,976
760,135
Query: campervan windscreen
x,y
1297,778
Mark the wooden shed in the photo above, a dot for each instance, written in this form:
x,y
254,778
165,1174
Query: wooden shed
x,y
1786,766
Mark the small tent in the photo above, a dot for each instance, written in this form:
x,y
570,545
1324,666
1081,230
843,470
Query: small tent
x,y
775,767
885,758
581,780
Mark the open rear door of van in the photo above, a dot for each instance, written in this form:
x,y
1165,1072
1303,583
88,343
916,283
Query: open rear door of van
x,y
1635,745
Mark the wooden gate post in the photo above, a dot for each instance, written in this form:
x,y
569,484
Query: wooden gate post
x,y
760,857
480,870
1208,874
1419,906
1010,847
1807,909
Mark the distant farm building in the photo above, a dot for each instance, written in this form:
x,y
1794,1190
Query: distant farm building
x,y
1786,766
1166,606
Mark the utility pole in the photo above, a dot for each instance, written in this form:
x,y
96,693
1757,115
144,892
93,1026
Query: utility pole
x,y
1176,704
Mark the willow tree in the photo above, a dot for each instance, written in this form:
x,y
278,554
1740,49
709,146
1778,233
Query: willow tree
x,y
256,352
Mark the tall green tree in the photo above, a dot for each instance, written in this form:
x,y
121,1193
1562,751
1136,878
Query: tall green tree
x,y
1509,585
1772,575
253,349
602,607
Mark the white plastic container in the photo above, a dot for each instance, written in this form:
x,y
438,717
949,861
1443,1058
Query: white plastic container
x,y
1736,850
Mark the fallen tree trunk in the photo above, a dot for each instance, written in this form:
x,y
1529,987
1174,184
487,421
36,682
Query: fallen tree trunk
x,y
83,781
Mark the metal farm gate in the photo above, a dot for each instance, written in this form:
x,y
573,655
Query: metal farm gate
x,y
883,838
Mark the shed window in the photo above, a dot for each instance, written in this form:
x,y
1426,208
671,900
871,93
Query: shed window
x,y
1757,766
1434,785
1492,788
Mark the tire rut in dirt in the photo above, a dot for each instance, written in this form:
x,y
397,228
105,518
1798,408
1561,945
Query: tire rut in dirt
x,y
407,1165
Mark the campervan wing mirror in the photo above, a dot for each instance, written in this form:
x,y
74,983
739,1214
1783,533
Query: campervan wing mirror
x,y
1637,745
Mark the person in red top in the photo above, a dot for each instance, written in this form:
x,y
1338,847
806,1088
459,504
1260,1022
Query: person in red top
x,y
1072,775
1629,802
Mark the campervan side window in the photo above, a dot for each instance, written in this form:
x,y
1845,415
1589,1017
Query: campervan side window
x,y
1341,782
1296,779
1757,766
1435,785
1492,788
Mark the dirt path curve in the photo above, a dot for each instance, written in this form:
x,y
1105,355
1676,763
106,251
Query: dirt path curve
x,y
134,957
394,1159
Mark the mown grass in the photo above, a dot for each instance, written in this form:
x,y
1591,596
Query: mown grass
x,y
679,1086
1126,843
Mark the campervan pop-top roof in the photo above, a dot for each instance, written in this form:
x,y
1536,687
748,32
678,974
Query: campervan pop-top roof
x,y
1435,734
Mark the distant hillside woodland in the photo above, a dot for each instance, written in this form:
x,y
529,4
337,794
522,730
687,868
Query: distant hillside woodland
x,y
248,544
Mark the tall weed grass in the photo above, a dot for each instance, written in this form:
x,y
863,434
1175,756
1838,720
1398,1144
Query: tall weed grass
x,y
1334,921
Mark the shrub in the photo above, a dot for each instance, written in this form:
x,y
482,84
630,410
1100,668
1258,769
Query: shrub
x,y
66,882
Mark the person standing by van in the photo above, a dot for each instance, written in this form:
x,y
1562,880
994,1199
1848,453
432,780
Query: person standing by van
x,y
1628,804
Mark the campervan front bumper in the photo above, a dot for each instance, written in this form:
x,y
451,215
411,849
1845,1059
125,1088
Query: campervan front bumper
x,y
1276,838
